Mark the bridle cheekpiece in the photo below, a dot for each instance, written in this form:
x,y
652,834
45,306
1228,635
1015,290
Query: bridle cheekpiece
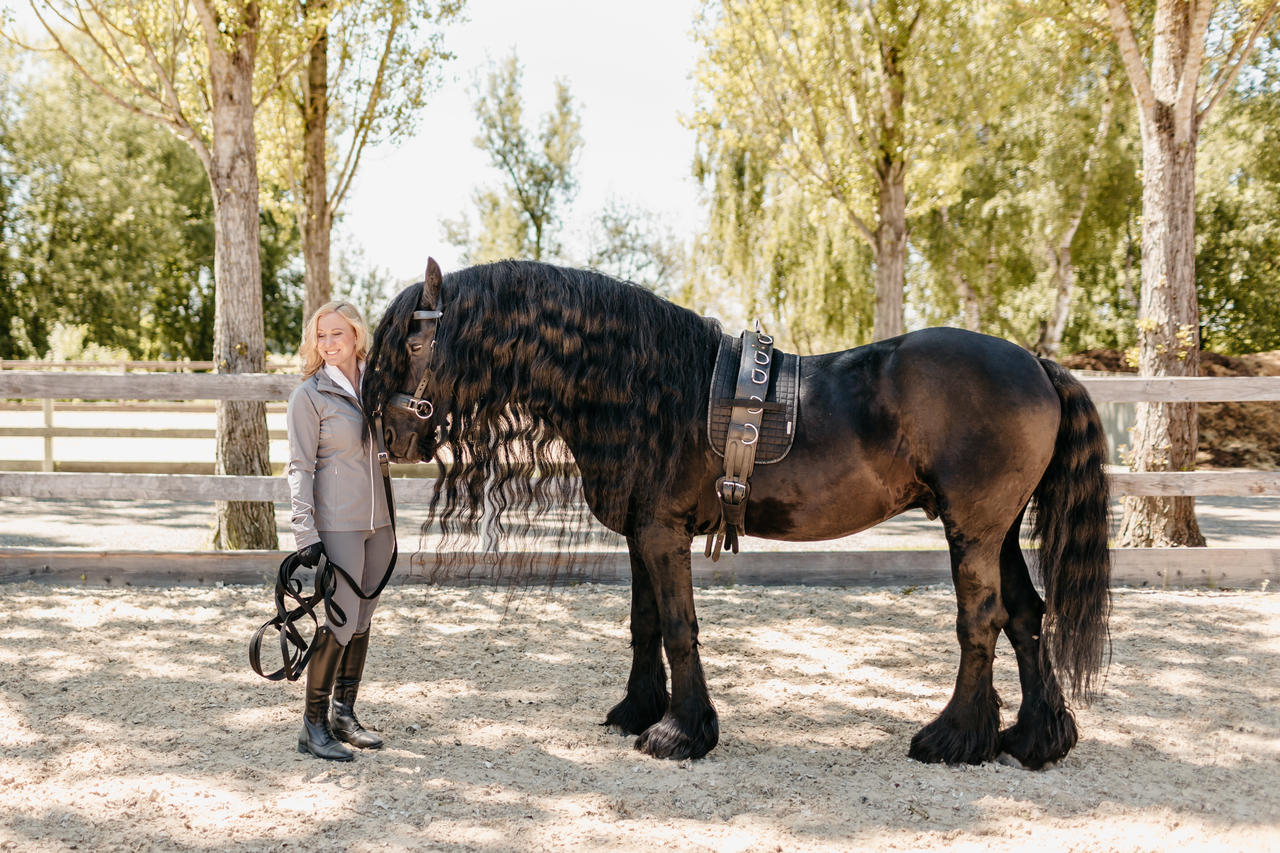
x,y
416,403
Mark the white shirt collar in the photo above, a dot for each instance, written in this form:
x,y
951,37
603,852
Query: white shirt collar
x,y
341,380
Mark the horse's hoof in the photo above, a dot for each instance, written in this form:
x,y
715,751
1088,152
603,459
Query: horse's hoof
x,y
943,742
667,739
1039,740
1010,761
629,717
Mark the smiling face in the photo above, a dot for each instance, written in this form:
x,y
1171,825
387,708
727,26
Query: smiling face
x,y
336,341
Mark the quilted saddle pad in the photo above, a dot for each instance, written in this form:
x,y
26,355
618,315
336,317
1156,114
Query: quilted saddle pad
x,y
777,428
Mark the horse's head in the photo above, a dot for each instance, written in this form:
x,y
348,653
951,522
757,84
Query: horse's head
x,y
399,391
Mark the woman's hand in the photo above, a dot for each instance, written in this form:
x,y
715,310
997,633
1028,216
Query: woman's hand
x,y
310,555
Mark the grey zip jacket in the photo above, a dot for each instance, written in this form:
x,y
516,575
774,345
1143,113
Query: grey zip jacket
x,y
334,479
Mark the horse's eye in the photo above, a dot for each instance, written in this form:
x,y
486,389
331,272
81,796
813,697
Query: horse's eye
x,y
415,348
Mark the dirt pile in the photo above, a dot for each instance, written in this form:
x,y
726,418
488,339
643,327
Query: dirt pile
x,y
1232,435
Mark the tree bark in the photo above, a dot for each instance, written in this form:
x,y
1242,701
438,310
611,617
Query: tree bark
x,y
317,220
1064,281
1165,436
891,175
239,344
970,303
891,250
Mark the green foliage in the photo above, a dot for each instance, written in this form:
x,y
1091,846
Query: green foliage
x,y
985,257
1238,214
810,112
520,219
385,59
9,302
282,280
71,343
109,227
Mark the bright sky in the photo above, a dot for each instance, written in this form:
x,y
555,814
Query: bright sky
x,y
628,66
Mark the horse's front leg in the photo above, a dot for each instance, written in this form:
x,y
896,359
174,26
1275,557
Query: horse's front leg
x,y
689,728
646,700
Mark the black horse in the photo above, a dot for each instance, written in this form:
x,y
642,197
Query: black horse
x,y
525,359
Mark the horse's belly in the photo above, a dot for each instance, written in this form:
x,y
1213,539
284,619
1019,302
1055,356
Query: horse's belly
x,y
819,506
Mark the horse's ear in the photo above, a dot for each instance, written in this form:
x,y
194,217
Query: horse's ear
x,y
430,298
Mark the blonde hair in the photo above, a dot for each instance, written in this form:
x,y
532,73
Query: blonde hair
x,y
309,351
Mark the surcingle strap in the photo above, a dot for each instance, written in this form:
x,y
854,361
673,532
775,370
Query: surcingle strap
x,y
758,374
781,406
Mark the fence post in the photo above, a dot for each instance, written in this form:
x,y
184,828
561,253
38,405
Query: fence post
x,y
46,464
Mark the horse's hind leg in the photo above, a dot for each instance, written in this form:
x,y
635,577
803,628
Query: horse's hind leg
x,y
968,729
646,699
1045,730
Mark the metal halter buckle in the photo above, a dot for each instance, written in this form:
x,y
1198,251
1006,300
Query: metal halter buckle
x,y
422,408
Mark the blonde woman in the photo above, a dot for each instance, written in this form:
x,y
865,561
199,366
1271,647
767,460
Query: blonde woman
x,y
340,512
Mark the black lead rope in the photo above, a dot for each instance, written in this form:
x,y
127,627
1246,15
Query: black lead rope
x,y
295,651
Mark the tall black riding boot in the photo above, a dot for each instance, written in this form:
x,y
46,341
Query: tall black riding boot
x,y
316,736
343,719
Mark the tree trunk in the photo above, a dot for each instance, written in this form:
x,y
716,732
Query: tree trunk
x,y
1064,271
970,304
890,251
1165,436
1064,280
239,344
317,220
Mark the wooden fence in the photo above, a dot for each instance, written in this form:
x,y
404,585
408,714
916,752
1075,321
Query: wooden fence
x,y
1182,566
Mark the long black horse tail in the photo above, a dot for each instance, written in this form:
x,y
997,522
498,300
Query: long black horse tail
x,y
1071,526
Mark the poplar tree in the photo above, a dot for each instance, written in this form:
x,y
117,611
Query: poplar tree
x,y
522,217
815,114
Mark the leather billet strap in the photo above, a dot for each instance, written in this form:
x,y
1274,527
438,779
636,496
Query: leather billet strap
x,y
742,440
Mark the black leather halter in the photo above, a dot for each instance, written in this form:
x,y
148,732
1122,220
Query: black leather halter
x,y
416,403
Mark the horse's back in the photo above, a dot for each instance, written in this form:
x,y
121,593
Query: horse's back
x,y
927,419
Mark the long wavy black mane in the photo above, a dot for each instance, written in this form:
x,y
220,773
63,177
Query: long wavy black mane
x,y
533,360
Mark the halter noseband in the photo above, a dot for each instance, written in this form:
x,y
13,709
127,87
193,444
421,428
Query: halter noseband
x,y
416,403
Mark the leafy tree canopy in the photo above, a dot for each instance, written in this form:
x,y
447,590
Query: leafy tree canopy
x,y
109,225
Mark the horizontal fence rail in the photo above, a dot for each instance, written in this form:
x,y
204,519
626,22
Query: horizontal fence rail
x,y
1162,567
182,388
118,432
1183,389
138,386
1180,566
125,366
223,487
16,384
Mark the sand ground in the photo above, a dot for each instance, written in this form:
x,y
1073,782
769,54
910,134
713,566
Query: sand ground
x,y
129,720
